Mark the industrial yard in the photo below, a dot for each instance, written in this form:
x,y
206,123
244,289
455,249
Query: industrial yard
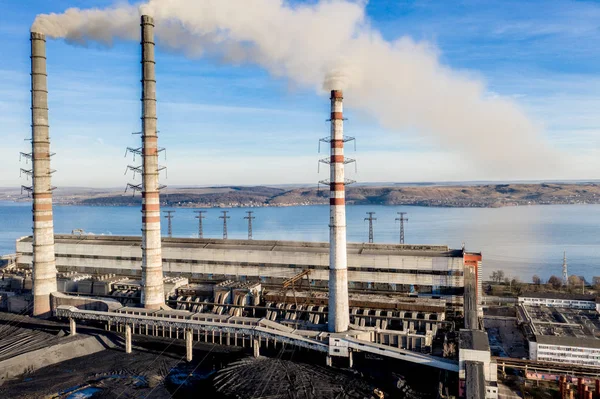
x,y
158,369
154,316
300,317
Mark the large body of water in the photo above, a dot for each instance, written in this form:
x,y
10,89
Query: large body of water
x,y
522,241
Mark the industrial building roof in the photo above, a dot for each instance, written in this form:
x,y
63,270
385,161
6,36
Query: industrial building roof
x,y
563,326
558,295
568,341
474,340
268,245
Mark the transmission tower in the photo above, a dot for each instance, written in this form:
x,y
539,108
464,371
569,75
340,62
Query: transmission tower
x,y
200,217
224,217
402,219
370,219
170,217
565,271
249,218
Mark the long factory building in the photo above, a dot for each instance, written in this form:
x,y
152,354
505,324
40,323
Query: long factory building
x,y
420,270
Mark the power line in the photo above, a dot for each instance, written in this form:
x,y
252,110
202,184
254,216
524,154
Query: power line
x,y
200,217
224,217
170,217
370,219
249,217
402,219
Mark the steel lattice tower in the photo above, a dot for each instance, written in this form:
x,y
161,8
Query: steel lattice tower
x,y
565,271
169,217
224,217
249,218
200,217
402,219
370,219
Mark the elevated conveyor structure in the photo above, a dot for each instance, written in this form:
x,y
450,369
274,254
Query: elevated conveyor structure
x,y
255,328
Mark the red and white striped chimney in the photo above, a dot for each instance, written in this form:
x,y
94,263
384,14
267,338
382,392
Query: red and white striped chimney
x,y
338,274
153,296
44,264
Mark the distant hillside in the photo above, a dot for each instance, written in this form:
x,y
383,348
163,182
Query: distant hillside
x,y
488,195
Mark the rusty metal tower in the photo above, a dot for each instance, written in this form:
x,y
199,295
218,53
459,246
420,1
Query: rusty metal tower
x,y
402,219
200,227
249,218
224,217
169,217
370,219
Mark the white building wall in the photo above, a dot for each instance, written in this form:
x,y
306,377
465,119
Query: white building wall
x,y
559,303
489,368
127,257
567,354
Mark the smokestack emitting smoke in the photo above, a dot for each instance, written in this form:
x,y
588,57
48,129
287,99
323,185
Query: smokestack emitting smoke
x,y
44,266
338,271
330,45
153,296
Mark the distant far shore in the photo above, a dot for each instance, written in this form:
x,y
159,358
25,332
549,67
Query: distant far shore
x,y
459,196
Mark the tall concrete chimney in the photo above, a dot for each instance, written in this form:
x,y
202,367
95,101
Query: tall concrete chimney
x,y
44,265
338,274
153,296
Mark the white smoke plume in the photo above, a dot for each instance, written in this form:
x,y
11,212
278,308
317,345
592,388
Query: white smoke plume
x,y
329,45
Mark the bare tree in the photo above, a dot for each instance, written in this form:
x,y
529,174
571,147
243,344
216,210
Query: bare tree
x,y
555,282
574,281
500,275
536,279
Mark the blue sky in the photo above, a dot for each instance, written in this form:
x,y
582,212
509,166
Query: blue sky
x,y
224,124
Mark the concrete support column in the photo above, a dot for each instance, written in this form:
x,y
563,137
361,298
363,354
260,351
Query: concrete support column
x,y
127,338
339,318
256,347
189,340
328,361
350,359
72,326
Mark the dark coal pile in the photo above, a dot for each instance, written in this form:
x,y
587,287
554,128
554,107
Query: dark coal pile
x,y
107,374
276,378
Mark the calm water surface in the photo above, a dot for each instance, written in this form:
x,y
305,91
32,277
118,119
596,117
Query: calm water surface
x,y
522,241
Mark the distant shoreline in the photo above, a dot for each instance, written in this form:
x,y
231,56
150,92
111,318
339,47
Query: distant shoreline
x,y
438,196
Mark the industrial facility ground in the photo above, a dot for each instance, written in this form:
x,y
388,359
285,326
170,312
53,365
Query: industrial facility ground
x,y
506,339
157,369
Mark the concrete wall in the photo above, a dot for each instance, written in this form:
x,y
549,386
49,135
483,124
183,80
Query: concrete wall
x,y
489,367
125,258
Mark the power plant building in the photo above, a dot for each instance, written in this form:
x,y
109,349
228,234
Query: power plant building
x,y
417,270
